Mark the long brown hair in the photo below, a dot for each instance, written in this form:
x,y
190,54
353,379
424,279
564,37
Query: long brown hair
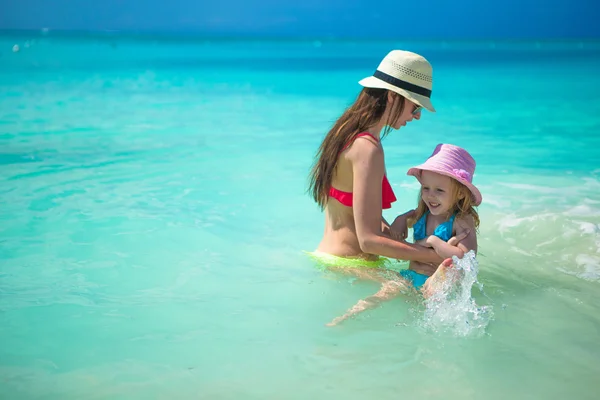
x,y
366,111
463,205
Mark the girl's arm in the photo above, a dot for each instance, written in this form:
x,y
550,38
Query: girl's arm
x,y
385,227
464,227
444,249
399,228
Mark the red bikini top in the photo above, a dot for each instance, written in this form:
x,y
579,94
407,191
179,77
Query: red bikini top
x,y
387,194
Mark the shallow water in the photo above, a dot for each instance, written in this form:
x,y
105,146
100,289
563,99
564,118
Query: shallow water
x,y
153,217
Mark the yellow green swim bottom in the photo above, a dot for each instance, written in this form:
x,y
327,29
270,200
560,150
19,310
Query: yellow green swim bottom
x,y
326,260
329,260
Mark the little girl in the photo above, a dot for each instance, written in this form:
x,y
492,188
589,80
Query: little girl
x,y
446,211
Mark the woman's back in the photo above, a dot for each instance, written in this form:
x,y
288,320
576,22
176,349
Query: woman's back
x,y
340,237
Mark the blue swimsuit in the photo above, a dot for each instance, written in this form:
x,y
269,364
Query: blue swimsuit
x,y
443,231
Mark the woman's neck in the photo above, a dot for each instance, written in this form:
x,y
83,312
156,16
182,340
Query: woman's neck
x,y
375,131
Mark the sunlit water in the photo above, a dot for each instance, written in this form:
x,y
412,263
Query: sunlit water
x,y
451,309
153,219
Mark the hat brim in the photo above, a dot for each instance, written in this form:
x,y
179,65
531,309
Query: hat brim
x,y
373,82
416,172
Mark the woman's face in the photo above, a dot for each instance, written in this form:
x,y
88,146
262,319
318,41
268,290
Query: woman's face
x,y
411,111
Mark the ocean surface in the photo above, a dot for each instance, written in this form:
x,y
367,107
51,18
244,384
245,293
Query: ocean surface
x,y
154,218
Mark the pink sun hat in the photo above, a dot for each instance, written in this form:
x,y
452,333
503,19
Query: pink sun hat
x,y
452,161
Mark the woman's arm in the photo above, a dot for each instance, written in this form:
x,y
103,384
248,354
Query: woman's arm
x,y
368,169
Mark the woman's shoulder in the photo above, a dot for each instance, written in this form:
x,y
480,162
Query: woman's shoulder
x,y
364,147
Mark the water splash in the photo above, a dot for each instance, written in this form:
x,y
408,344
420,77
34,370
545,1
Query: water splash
x,y
452,309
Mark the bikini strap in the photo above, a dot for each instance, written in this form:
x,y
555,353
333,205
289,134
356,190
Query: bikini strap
x,y
451,220
356,137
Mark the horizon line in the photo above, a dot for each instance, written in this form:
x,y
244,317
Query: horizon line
x,y
198,34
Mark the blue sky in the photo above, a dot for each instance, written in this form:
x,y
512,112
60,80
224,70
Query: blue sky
x,y
315,18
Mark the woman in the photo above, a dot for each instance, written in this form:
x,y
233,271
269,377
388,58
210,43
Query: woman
x,y
348,180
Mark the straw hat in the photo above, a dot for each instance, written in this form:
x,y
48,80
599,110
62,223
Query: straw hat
x,y
452,161
405,73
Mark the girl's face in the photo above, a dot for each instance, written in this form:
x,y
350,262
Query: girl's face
x,y
411,111
437,192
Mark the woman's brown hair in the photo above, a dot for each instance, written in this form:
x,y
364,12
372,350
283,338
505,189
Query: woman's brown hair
x,y
364,113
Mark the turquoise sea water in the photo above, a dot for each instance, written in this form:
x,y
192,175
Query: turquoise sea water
x,y
153,219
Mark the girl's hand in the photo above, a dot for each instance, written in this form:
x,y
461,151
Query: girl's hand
x,y
455,240
432,241
399,228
